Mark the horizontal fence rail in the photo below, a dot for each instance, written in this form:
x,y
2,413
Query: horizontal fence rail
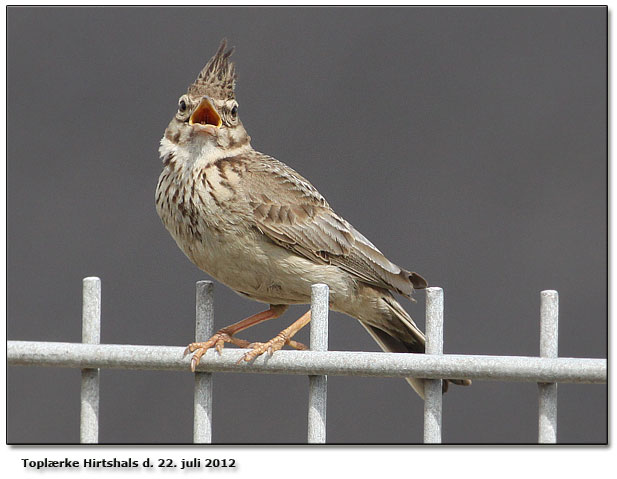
x,y
338,363
90,356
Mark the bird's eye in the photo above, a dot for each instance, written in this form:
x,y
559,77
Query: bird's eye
x,y
234,111
182,106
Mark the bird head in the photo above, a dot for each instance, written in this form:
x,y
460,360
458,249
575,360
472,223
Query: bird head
x,y
208,112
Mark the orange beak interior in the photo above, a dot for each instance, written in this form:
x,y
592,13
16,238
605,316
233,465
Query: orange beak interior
x,y
205,114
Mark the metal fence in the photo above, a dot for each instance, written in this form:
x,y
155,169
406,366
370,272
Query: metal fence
x,y
546,370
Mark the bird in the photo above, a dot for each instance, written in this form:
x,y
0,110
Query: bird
x,y
260,228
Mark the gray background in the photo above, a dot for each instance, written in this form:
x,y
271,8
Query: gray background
x,y
468,143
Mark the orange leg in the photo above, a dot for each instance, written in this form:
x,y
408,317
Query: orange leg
x,y
226,334
278,341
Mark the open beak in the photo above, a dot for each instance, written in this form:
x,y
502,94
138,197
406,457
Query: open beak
x,y
205,118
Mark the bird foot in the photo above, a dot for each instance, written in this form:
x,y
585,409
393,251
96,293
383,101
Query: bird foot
x,y
218,340
276,343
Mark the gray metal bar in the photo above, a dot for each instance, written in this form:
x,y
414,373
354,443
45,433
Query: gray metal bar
x,y
547,403
318,384
204,328
90,377
434,345
341,363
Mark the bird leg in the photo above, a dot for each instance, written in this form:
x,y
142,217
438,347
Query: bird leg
x,y
226,334
278,341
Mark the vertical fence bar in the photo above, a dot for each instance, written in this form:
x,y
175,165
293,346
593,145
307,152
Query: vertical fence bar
x,y
318,386
547,403
90,378
434,345
204,326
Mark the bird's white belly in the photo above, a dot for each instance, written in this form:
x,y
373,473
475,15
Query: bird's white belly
x,y
254,266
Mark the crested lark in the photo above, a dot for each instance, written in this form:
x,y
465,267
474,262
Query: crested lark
x,y
259,227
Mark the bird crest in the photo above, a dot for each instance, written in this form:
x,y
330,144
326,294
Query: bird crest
x,y
218,78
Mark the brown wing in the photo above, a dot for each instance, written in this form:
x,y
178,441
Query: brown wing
x,y
291,212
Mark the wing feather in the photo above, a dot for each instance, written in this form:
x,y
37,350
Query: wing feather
x,y
292,213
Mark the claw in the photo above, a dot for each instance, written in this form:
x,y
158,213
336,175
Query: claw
x,y
269,347
226,335
217,340
297,345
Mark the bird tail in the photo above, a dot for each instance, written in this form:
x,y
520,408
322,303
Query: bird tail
x,y
392,345
400,334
